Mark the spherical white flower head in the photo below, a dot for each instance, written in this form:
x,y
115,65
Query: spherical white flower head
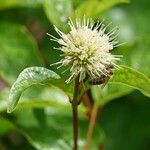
x,y
86,48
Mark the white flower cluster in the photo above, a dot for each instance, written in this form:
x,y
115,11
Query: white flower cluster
x,y
86,48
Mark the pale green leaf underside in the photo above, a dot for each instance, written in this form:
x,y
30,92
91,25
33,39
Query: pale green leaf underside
x,y
58,11
28,77
132,78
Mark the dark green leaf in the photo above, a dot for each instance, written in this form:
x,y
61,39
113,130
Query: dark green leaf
x,y
39,114
18,50
5,126
126,118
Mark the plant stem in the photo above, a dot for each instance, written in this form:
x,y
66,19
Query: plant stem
x,y
91,126
75,102
75,126
87,102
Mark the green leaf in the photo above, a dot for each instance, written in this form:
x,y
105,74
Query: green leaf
x,y
40,97
18,3
117,86
67,88
76,3
58,12
95,8
57,133
109,93
18,50
132,78
5,126
28,77
37,97
39,114
136,50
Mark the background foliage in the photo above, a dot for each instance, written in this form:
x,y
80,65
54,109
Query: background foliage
x,y
42,119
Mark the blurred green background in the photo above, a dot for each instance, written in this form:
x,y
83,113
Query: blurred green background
x,y
42,119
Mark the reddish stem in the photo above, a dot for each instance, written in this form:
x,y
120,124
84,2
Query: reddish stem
x,y
91,126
